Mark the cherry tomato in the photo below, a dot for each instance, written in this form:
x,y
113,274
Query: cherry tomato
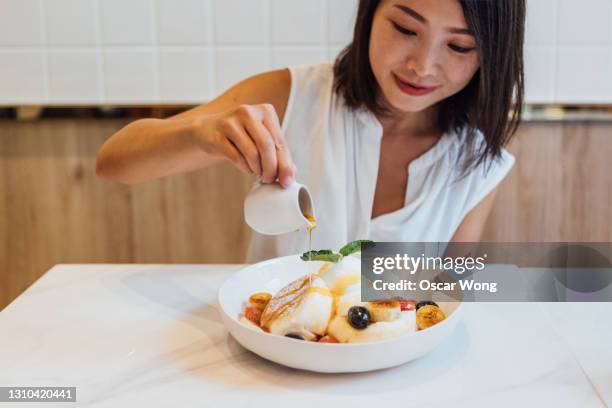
x,y
409,305
328,338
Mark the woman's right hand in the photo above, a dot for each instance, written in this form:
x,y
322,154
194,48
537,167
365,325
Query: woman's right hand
x,y
250,137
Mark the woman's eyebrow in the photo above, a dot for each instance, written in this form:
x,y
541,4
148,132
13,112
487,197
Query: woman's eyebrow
x,y
423,20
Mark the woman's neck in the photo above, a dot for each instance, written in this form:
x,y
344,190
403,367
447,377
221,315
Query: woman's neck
x,y
411,124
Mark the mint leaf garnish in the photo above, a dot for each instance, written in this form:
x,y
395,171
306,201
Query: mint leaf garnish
x,y
329,256
321,255
356,246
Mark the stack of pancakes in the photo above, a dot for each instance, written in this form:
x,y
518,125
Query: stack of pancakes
x,y
317,304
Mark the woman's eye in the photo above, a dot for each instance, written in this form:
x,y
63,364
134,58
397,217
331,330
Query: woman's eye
x,y
459,49
403,30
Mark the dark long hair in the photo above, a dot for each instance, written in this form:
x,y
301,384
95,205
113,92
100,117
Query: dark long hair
x,y
491,102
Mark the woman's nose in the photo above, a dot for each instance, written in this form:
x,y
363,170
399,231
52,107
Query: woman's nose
x,y
423,61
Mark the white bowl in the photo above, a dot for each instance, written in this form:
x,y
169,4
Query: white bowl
x,y
270,276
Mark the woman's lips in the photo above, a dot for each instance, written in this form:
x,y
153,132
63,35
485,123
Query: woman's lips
x,y
410,89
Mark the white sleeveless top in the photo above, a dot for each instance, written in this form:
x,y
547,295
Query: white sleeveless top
x,y
336,151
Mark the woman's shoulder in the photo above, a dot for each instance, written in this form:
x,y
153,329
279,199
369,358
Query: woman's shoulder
x,y
476,178
311,80
311,91
469,177
468,147
314,72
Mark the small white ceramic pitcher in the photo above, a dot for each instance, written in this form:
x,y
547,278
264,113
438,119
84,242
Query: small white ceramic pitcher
x,y
270,209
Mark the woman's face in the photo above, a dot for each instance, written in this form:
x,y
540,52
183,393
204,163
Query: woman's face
x,y
423,43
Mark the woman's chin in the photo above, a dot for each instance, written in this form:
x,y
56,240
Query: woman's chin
x,y
403,103
404,106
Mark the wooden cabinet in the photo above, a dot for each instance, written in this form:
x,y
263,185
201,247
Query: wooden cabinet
x,y
560,188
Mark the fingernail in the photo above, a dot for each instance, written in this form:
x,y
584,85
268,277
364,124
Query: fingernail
x,y
286,181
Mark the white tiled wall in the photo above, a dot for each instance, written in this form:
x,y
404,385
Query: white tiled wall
x,y
71,52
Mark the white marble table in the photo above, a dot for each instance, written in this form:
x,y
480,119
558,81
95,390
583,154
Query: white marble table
x,y
151,335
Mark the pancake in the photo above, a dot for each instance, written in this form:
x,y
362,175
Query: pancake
x,y
351,297
317,304
302,308
340,275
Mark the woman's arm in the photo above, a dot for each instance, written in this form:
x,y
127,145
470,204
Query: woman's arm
x,y
472,225
242,125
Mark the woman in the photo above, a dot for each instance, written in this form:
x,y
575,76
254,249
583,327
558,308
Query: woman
x,y
401,139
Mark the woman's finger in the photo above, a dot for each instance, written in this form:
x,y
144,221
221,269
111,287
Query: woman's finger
x,y
231,152
286,167
245,145
265,145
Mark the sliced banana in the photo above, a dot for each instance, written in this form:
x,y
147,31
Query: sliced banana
x,y
429,315
384,310
259,300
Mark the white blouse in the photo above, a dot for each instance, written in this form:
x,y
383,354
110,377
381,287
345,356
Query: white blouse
x,y
336,151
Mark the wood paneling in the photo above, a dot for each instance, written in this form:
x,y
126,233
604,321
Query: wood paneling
x,y
54,209
560,188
